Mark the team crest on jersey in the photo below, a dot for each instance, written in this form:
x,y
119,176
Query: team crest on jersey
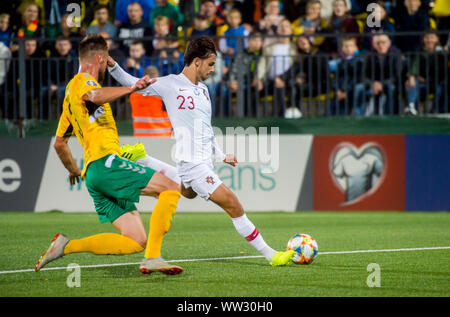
x,y
196,92
91,83
210,180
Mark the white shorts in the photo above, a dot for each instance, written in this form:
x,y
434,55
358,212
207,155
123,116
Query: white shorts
x,y
200,177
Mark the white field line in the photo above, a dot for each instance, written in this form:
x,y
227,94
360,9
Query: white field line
x,y
226,258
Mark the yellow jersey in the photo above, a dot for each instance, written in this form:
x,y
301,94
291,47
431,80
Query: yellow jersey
x,y
93,125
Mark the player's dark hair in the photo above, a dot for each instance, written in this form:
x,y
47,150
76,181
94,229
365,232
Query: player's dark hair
x,y
90,44
201,47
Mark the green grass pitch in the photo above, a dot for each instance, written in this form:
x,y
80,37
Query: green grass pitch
x,y
222,264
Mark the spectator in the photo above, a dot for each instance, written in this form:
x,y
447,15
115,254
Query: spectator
x,y
399,5
228,45
427,74
246,63
135,29
53,11
6,32
209,9
169,61
349,81
68,32
165,55
189,9
327,8
200,27
121,10
359,6
166,9
14,9
441,11
275,67
35,76
5,60
310,71
269,24
137,62
294,9
226,6
253,11
116,53
101,15
385,24
410,20
120,57
341,22
30,26
312,23
213,82
384,72
63,66
162,39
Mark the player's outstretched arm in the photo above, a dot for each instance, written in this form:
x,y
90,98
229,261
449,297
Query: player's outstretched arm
x,y
119,74
125,79
109,94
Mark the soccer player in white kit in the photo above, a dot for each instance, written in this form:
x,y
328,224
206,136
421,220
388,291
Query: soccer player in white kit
x,y
188,105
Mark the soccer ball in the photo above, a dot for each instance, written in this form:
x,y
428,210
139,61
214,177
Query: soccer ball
x,y
305,248
292,113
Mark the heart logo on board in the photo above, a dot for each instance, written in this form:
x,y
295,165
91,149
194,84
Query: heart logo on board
x,y
358,172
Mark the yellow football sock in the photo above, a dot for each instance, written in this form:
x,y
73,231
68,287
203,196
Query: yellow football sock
x,y
160,221
104,243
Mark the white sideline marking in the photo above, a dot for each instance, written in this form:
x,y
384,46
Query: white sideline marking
x,y
225,258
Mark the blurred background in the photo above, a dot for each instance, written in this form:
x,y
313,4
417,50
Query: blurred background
x,y
343,71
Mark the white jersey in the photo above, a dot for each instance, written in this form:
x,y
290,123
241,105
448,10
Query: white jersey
x,y
189,109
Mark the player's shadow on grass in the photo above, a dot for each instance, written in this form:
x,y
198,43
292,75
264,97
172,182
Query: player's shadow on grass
x,y
249,262
132,271
121,271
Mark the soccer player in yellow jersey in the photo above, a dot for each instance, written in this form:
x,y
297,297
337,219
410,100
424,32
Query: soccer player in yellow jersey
x,y
113,182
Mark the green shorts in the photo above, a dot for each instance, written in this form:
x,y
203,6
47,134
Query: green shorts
x,y
115,185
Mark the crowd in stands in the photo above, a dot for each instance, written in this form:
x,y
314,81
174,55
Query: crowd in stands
x,y
295,49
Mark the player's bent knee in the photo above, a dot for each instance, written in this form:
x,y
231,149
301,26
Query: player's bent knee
x,y
233,207
140,239
235,211
158,184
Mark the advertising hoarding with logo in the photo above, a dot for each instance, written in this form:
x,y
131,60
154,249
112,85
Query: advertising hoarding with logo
x,y
351,172
359,172
274,179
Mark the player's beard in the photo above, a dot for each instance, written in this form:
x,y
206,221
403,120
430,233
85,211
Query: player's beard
x,y
101,75
205,77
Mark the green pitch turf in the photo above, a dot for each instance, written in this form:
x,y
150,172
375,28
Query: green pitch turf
x,y
207,239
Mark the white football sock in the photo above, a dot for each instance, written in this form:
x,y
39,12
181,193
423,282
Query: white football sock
x,y
248,230
161,167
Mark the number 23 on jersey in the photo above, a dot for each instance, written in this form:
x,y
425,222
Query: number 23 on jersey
x,y
185,102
